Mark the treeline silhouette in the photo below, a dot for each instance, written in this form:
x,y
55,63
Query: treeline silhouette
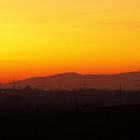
x,y
29,99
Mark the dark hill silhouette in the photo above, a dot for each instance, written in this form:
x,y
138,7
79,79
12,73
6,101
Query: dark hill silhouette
x,y
68,81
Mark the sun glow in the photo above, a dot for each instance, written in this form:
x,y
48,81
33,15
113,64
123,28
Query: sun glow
x,y
41,37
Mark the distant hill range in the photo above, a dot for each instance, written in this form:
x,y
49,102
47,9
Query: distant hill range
x,y
69,81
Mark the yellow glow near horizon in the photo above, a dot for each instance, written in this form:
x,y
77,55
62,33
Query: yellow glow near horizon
x,y
40,37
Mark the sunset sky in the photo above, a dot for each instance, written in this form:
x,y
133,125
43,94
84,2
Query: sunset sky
x,y
42,37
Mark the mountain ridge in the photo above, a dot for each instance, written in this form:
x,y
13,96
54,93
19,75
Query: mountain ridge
x,y
73,80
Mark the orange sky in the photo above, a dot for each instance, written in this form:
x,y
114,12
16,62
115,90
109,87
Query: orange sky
x,y
41,37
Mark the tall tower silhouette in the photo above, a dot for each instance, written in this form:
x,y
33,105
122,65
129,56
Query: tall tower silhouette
x,y
0,85
13,83
138,85
42,84
84,83
120,94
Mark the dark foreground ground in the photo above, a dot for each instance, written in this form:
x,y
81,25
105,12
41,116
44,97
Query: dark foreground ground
x,y
79,114
118,122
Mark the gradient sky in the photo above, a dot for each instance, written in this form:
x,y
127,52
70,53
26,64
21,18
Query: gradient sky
x,y
41,37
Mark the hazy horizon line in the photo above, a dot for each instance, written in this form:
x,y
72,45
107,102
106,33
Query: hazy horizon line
x,y
70,72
